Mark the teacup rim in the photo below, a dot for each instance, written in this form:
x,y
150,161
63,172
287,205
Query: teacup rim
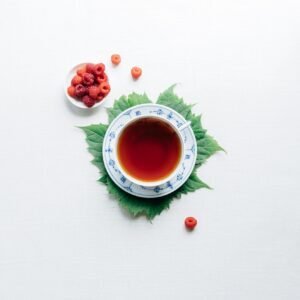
x,y
156,182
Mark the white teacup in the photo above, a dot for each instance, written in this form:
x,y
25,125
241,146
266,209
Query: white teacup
x,y
176,169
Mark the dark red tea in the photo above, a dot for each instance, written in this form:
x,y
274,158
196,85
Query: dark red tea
x,y
149,149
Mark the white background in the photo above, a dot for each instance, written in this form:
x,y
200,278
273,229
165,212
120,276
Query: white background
x,y
62,237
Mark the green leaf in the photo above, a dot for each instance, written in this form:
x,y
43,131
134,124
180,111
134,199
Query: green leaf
x,y
152,207
104,179
206,146
94,137
136,205
136,99
194,183
124,103
168,98
197,126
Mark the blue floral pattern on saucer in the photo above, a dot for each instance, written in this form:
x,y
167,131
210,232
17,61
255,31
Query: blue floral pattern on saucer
x,y
109,151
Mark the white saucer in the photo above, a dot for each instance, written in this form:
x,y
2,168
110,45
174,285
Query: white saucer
x,y
109,151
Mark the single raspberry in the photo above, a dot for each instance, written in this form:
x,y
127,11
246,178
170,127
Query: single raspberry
x,y
99,69
100,97
88,101
90,68
104,88
76,80
71,91
80,90
136,72
88,79
94,91
102,77
81,71
115,59
190,223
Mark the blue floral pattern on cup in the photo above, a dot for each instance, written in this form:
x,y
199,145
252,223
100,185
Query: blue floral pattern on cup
x,y
109,151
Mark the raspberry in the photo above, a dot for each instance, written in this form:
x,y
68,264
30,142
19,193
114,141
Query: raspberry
x,y
94,91
88,79
76,80
71,91
190,223
115,59
100,97
102,77
88,101
90,68
99,69
104,88
81,71
136,72
80,90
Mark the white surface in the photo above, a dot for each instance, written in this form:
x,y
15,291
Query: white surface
x,y
63,238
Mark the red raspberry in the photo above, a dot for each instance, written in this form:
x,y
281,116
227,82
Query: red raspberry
x,y
104,88
81,70
116,59
94,91
88,101
90,68
76,80
99,69
100,97
102,77
190,223
80,90
88,79
71,91
136,72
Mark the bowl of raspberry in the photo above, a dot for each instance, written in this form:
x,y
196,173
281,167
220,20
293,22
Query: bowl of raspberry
x,y
87,85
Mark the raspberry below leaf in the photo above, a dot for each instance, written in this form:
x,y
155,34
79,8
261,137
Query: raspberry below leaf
x,y
190,223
